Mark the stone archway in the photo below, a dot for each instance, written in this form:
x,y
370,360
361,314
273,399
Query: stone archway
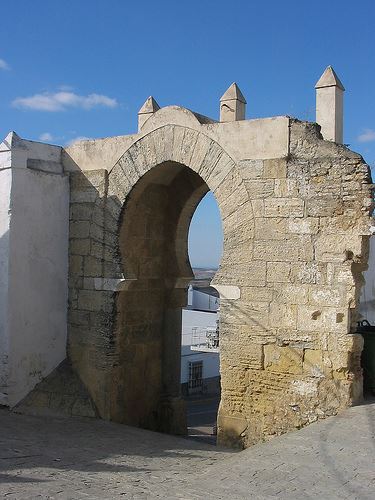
x,y
295,227
150,196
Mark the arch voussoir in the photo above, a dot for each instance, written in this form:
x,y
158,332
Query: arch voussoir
x,y
118,184
128,167
188,145
163,143
200,151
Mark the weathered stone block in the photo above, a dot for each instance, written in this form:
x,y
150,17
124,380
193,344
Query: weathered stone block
x,y
308,272
324,206
284,207
345,343
75,265
256,294
283,359
87,179
313,362
118,184
286,188
80,246
328,296
291,294
79,318
81,211
308,225
258,208
249,355
95,300
231,274
283,315
329,319
230,195
278,272
251,169
218,172
338,247
290,250
92,266
231,430
113,207
275,169
258,188
97,232
254,315
84,196
79,229
270,229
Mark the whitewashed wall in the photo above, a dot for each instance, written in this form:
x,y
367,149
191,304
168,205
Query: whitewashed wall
x,y
34,265
201,319
5,186
202,301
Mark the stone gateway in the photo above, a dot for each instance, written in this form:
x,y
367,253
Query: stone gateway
x,y
296,220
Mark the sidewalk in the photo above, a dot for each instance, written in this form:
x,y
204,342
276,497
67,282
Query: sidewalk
x,y
92,459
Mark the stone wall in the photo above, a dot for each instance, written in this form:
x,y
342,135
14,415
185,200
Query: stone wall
x,y
286,355
295,245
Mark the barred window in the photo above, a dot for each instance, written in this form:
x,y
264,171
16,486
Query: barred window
x,y
195,374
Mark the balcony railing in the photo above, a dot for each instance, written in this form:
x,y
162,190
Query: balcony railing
x,y
205,339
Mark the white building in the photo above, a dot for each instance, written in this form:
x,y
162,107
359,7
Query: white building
x,y
200,370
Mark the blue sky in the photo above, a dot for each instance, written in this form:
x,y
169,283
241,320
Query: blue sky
x,y
83,68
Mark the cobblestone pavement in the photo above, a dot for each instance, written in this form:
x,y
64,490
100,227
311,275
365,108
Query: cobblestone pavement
x,y
92,459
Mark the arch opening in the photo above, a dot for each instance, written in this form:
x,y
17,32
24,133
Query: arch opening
x,y
200,359
153,246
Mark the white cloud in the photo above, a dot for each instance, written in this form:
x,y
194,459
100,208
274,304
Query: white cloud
x,y
78,139
46,137
4,64
62,100
368,135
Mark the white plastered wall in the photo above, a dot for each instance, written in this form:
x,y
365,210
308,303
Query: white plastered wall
x,y
5,186
200,319
34,266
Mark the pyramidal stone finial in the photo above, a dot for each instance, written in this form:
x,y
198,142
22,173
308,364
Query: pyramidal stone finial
x,y
12,151
329,79
149,107
12,140
330,105
232,104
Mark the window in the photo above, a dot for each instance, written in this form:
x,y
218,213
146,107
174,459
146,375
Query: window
x,y
195,375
